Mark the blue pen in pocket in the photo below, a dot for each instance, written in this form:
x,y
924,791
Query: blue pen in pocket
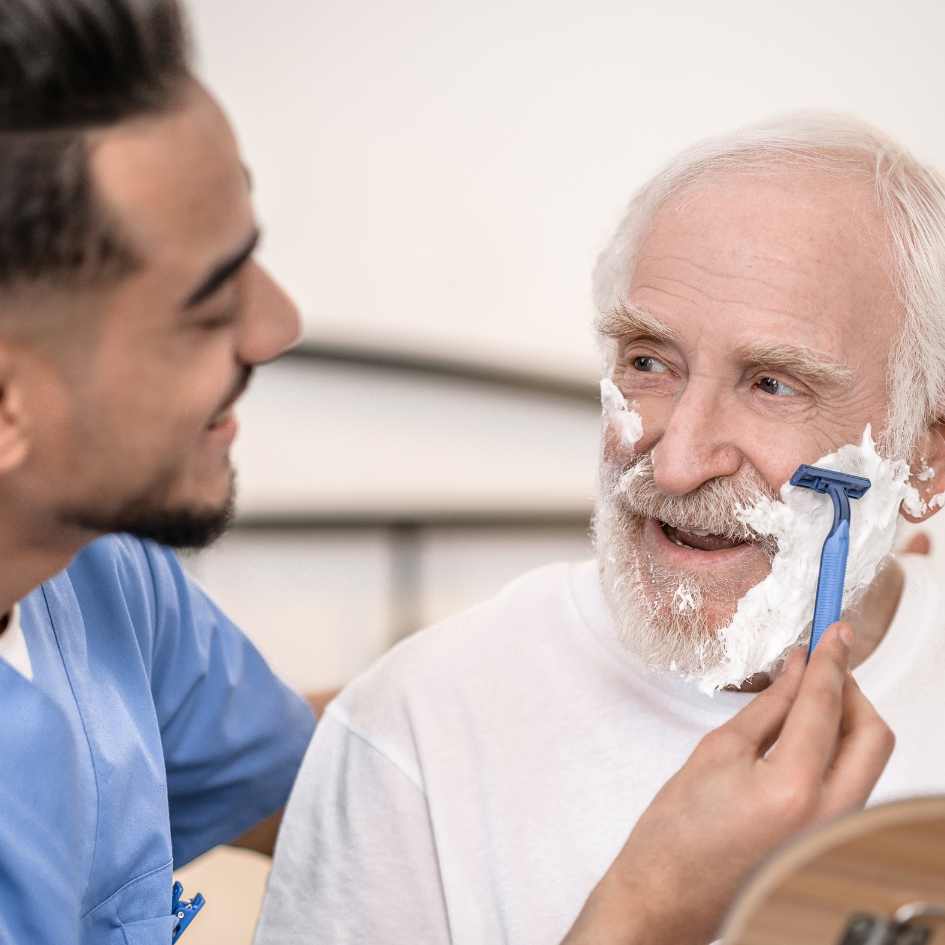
x,y
841,487
184,910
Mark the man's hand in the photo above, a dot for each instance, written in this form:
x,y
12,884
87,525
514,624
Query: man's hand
x,y
809,747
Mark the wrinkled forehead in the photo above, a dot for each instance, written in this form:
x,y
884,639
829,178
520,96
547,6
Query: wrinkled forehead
x,y
801,254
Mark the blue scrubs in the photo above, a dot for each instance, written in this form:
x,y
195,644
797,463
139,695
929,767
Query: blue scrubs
x,y
152,731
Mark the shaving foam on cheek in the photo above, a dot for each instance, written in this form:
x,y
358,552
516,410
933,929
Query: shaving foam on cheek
x,y
619,414
916,505
776,613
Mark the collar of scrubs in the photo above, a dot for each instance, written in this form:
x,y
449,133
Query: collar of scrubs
x,y
13,647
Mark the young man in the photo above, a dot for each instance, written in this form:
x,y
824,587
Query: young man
x,y
139,727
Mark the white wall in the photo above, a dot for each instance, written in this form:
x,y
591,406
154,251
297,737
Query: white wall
x,y
440,174
341,439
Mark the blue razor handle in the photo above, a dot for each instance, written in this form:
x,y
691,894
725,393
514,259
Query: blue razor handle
x,y
841,487
833,569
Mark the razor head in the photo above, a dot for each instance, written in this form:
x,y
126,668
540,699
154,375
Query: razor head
x,y
820,480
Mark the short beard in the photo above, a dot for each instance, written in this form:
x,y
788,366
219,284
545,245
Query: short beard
x,y
182,527
660,616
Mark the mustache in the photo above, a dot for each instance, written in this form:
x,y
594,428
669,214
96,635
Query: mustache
x,y
714,507
238,390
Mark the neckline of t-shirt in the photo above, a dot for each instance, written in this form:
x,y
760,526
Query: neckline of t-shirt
x,y
880,670
588,599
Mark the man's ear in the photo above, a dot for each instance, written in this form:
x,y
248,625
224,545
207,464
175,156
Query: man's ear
x,y
14,420
928,472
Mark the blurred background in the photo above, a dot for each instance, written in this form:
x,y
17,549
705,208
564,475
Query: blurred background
x,y
434,180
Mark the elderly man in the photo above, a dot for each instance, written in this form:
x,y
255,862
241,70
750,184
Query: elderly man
x,y
772,298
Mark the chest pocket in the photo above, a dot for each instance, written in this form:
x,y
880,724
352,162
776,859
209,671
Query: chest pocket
x,y
120,919
149,931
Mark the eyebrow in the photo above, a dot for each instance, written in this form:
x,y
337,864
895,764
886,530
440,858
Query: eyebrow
x,y
798,360
629,321
223,271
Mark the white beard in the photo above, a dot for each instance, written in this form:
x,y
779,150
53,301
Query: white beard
x,y
667,628
661,618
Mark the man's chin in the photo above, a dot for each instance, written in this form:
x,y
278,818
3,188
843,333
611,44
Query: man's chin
x,y
672,628
183,526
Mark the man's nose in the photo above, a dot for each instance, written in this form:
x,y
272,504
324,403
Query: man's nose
x,y
271,323
697,444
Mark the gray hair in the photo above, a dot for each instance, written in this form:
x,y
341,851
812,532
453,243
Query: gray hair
x,y
911,198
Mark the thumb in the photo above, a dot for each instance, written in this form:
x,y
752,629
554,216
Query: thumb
x,y
918,544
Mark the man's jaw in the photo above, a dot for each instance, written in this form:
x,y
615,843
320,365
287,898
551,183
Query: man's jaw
x,y
669,596
675,567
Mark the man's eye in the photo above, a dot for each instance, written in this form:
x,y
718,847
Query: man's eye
x,y
223,320
648,365
771,385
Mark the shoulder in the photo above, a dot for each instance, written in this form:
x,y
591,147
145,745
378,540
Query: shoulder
x,y
124,563
461,661
112,568
121,581
495,625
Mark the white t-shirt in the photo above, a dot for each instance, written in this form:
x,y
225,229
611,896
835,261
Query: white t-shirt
x,y
13,645
475,784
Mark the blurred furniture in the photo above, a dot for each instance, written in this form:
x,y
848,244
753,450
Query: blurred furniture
x,y
844,883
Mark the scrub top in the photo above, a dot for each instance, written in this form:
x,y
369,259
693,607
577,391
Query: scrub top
x,y
152,730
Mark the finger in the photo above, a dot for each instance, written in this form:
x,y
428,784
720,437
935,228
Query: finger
x,y
919,544
809,738
759,723
866,744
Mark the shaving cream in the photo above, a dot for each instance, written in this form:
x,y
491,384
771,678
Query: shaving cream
x,y
917,506
619,414
777,612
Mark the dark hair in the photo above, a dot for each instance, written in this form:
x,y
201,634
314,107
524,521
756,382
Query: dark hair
x,y
68,67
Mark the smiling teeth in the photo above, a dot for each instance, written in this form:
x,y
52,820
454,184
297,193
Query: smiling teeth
x,y
701,532
670,532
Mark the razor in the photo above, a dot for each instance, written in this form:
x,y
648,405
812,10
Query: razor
x,y
841,487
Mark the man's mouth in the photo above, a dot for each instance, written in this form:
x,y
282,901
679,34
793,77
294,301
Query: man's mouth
x,y
699,539
221,419
225,415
